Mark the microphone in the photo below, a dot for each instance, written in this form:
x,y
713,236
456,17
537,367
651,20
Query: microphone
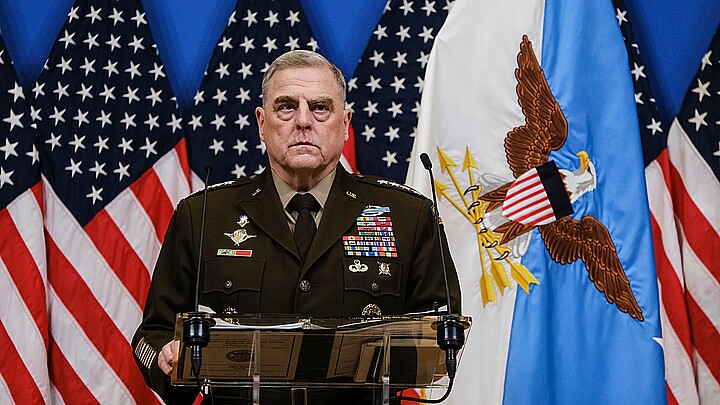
x,y
196,328
450,332
427,163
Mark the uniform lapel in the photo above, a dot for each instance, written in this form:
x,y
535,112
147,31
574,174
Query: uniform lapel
x,y
262,204
343,206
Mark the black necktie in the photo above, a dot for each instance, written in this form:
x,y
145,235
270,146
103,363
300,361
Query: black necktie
x,y
305,228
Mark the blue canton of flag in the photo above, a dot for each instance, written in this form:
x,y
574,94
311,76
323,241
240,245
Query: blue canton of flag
x,y
104,106
19,168
221,122
385,90
652,130
700,112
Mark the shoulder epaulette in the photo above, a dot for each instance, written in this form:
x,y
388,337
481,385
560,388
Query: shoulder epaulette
x,y
226,184
382,182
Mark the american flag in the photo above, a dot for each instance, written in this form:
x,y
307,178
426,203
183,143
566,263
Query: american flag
x,y
109,164
385,90
682,169
24,334
221,122
114,164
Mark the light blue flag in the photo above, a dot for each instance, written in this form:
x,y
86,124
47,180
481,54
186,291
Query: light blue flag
x,y
568,344
570,316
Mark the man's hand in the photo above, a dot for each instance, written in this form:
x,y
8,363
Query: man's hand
x,y
167,356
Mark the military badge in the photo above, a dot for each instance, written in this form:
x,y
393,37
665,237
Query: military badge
x,y
384,269
358,267
371,310
243,220
374,211
231,311
239,236
398,185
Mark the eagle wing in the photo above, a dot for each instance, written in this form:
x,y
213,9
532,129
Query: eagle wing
x,y
568,239
545,128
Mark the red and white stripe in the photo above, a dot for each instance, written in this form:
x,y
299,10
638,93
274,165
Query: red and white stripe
x,y
527,202
683,193
349,158
98,277
24,332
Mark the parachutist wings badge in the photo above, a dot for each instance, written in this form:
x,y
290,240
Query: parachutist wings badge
x,y
542,195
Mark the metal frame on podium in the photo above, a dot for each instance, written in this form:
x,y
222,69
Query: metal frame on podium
x,y
386,354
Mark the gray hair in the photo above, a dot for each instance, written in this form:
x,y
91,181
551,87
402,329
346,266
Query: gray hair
x,y
303,59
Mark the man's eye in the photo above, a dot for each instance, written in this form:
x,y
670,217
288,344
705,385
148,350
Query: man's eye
x,y
320,107
286,107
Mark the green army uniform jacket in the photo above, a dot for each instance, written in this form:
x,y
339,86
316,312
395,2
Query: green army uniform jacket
x,y
251,263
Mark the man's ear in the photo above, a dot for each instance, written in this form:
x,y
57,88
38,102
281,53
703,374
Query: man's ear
x,y
260,117
346,122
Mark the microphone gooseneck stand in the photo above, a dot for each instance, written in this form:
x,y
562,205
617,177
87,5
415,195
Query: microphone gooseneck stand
x,y
196,328
450,331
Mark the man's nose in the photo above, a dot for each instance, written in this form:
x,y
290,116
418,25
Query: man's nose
x,y
304,117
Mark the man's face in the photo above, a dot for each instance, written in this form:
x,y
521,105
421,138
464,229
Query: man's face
x,y
303,122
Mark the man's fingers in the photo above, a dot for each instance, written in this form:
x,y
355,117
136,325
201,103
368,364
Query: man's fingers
x,y
164,366
175,348
166,357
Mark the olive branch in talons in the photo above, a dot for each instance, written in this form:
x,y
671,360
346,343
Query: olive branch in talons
x,y
493,256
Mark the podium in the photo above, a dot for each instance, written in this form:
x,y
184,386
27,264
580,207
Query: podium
x,y
385,354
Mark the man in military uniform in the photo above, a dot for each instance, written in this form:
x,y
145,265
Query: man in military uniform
x,y
372,246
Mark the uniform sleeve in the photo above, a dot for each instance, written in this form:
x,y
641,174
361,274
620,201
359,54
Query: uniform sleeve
x,y
171,292
426,283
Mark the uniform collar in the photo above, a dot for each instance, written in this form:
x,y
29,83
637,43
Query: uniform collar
x,y
343,204
321,191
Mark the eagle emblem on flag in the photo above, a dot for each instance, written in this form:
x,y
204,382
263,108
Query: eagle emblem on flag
x,y
542,195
